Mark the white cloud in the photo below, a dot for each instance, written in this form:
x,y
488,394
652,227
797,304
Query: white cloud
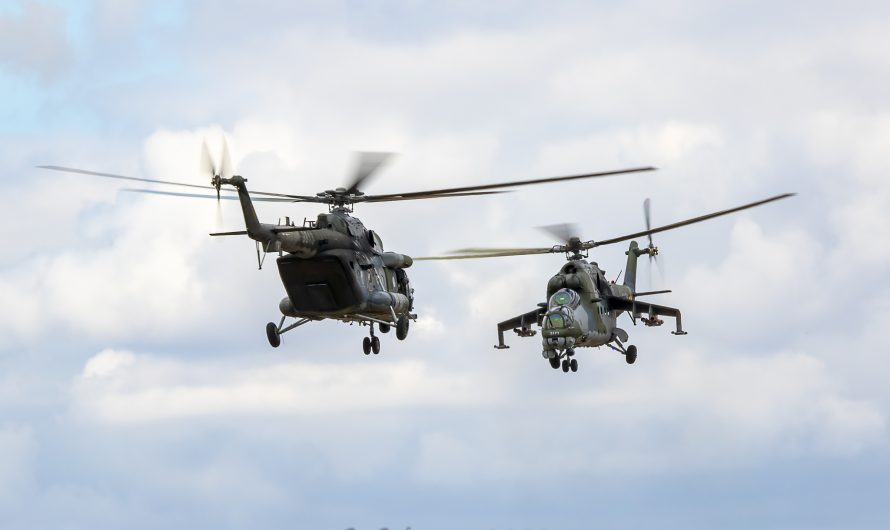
x,y
121,387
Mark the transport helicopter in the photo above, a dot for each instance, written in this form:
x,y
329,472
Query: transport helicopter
x,y
332,267
582,306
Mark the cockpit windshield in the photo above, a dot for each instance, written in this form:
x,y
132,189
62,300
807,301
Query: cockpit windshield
x,y
557,320
564,297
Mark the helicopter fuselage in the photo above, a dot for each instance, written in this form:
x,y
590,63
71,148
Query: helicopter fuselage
x,y
578,313
333,267
582,311
338,269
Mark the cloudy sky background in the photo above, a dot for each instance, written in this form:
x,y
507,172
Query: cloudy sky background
x,y
137,388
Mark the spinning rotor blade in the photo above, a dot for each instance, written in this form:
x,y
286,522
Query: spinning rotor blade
x,y
563,232
647,214
207,168
475,253
221,197
373,198
293,198
225,163
367,163
649,232
450,191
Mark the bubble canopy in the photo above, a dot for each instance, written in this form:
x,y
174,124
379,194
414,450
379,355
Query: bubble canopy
x,y
564,297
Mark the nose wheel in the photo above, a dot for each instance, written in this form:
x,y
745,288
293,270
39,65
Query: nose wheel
x,y
567,364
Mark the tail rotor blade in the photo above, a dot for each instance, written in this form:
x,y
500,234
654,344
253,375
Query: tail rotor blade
x,y
225,163
219,217
207,168
647,214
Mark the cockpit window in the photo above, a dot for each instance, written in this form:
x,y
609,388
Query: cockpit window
x,y
565,297
556,320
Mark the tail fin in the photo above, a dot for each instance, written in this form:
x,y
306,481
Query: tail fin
x,y
630,271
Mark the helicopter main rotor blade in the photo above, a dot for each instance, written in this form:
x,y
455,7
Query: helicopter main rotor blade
x,y
690,221
298,198
214,197
375,198
367,163
123,177
563,232
450,191
477,253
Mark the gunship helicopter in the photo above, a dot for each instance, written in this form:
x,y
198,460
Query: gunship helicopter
x,y
582,306
332,267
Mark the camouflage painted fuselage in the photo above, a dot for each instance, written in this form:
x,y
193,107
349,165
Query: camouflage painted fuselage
x,y
578,313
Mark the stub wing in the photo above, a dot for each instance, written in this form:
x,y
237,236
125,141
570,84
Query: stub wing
x,y
521,324
646,311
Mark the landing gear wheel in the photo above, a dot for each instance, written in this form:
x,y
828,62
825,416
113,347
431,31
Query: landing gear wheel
x,y
402,327
573,364
554,363
366,345
375,345
272,334
384,328
565,365
631,354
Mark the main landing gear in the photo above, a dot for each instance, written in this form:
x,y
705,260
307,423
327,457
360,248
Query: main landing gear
x,y
372,344
402,327
567,363
274,332
630,353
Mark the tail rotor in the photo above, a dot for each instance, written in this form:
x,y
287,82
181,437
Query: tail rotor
x,y
651,250
216,172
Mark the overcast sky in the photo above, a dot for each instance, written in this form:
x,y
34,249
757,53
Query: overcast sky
x,y
137,389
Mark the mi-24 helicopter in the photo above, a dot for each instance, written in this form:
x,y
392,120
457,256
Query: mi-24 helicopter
x,y
332,267
582,306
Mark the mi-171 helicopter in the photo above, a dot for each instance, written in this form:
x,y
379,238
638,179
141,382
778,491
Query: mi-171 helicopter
x,y
582,306
332,267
